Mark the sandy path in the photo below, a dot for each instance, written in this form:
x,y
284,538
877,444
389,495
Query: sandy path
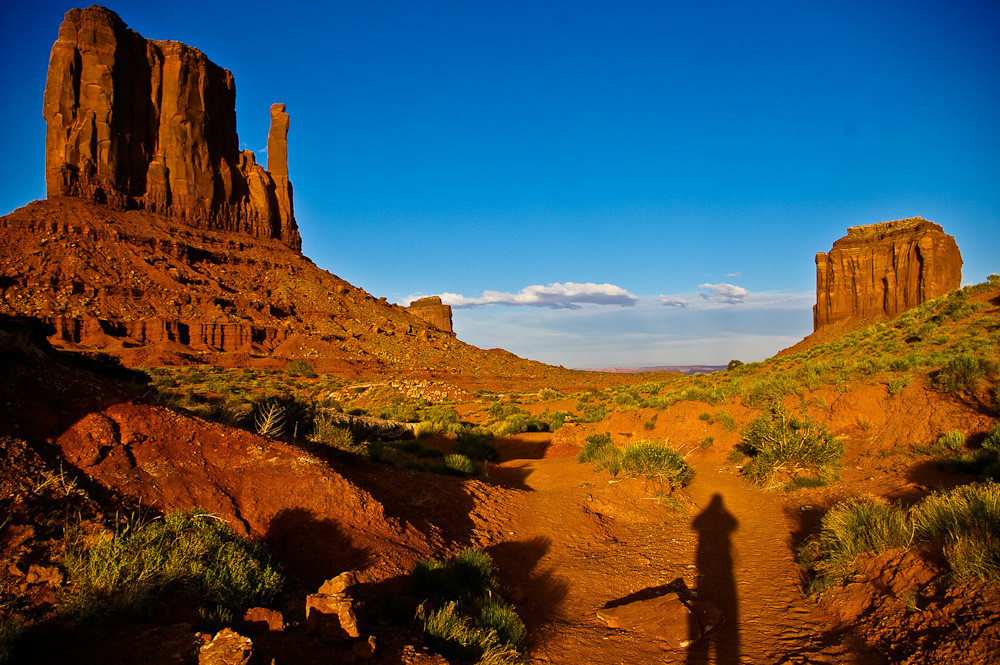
x,y
580,542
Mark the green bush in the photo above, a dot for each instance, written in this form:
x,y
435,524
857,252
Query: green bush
x,y
601,451
656,460
857,526
476,444
963,374
300,368
185,556
953,439
460,465
329,432
778,443
468,620
964,523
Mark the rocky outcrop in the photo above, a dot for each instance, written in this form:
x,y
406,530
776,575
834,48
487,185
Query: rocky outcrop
x,y
144,124
884,269
433,312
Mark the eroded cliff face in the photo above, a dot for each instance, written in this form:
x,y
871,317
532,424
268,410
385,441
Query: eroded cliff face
x,y
432,311
884,269
151,125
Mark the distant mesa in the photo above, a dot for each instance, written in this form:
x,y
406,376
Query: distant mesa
x,y
881,270
432,311
151,125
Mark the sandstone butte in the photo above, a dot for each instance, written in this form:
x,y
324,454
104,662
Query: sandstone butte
x,y
151,125
881,270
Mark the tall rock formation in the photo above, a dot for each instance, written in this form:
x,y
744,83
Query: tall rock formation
x,y
884,269
151,125
432,311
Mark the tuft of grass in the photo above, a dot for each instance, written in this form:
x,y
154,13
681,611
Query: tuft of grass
x,y
460,465
778,443
953,440
327,431
963,374
726,420
468,619
601,451
963,522
189,556
652,459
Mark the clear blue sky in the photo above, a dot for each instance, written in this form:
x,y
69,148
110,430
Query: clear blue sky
x,y
685,160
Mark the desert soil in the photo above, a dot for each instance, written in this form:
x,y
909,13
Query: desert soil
x,y
583,540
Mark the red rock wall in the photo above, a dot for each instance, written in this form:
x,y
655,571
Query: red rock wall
x,y
884,269
137,123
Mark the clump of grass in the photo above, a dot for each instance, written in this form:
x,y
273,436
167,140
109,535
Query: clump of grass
x,y
953,439
985,461
189,556
476,444
601,451
964,523
468,620
706,443
868,525
780,444
460,465
650,459
327,431
963,374
726,420
805,482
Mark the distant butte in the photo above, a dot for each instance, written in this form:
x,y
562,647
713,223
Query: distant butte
x,y
151,125
881,270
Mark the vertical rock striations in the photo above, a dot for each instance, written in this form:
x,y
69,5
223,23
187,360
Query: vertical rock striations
x,y
144,124
433,312
884,269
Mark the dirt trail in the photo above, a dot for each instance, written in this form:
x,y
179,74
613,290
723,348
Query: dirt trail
x,y
581,541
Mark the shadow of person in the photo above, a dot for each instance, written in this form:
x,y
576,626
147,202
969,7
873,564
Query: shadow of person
x,y
716,585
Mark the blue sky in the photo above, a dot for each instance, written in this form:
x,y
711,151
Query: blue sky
x,y
590,183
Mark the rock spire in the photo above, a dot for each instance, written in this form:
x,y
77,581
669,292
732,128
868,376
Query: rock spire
x,y
144,124
884,269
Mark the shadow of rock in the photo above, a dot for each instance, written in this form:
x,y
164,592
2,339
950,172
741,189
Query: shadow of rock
x,y
314,550
537,594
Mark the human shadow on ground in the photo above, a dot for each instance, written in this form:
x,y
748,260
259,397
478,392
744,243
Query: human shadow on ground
x,y
313,549
538,594
717,585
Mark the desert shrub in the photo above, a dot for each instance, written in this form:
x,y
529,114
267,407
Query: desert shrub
x,y
706,416
593,413
519,422
281,415
476,444
468,619
734,364
963,522
300,368
651,423
546,394
726,420
963,374
501,618
601,451
459,465
656,460
400,411
329,432
189,556
766,390
554,420
984,462
868,525
967,520
896,385
953,439
778,443
804,482
706,443
441,416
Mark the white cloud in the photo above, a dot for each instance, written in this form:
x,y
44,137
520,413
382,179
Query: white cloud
x,y
568,295
674,301
728,293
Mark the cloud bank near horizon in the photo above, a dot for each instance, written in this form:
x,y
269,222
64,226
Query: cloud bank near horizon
x,y
602,325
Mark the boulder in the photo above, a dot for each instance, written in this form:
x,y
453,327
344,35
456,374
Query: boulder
x,y
884,269
330,613
262,620
226,648
145,124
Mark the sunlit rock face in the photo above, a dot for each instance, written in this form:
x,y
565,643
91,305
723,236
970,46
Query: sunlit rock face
x,y
432,311
143,124
881,270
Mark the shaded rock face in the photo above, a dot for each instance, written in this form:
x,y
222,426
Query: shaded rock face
x,y
433,312
143,124
884,269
